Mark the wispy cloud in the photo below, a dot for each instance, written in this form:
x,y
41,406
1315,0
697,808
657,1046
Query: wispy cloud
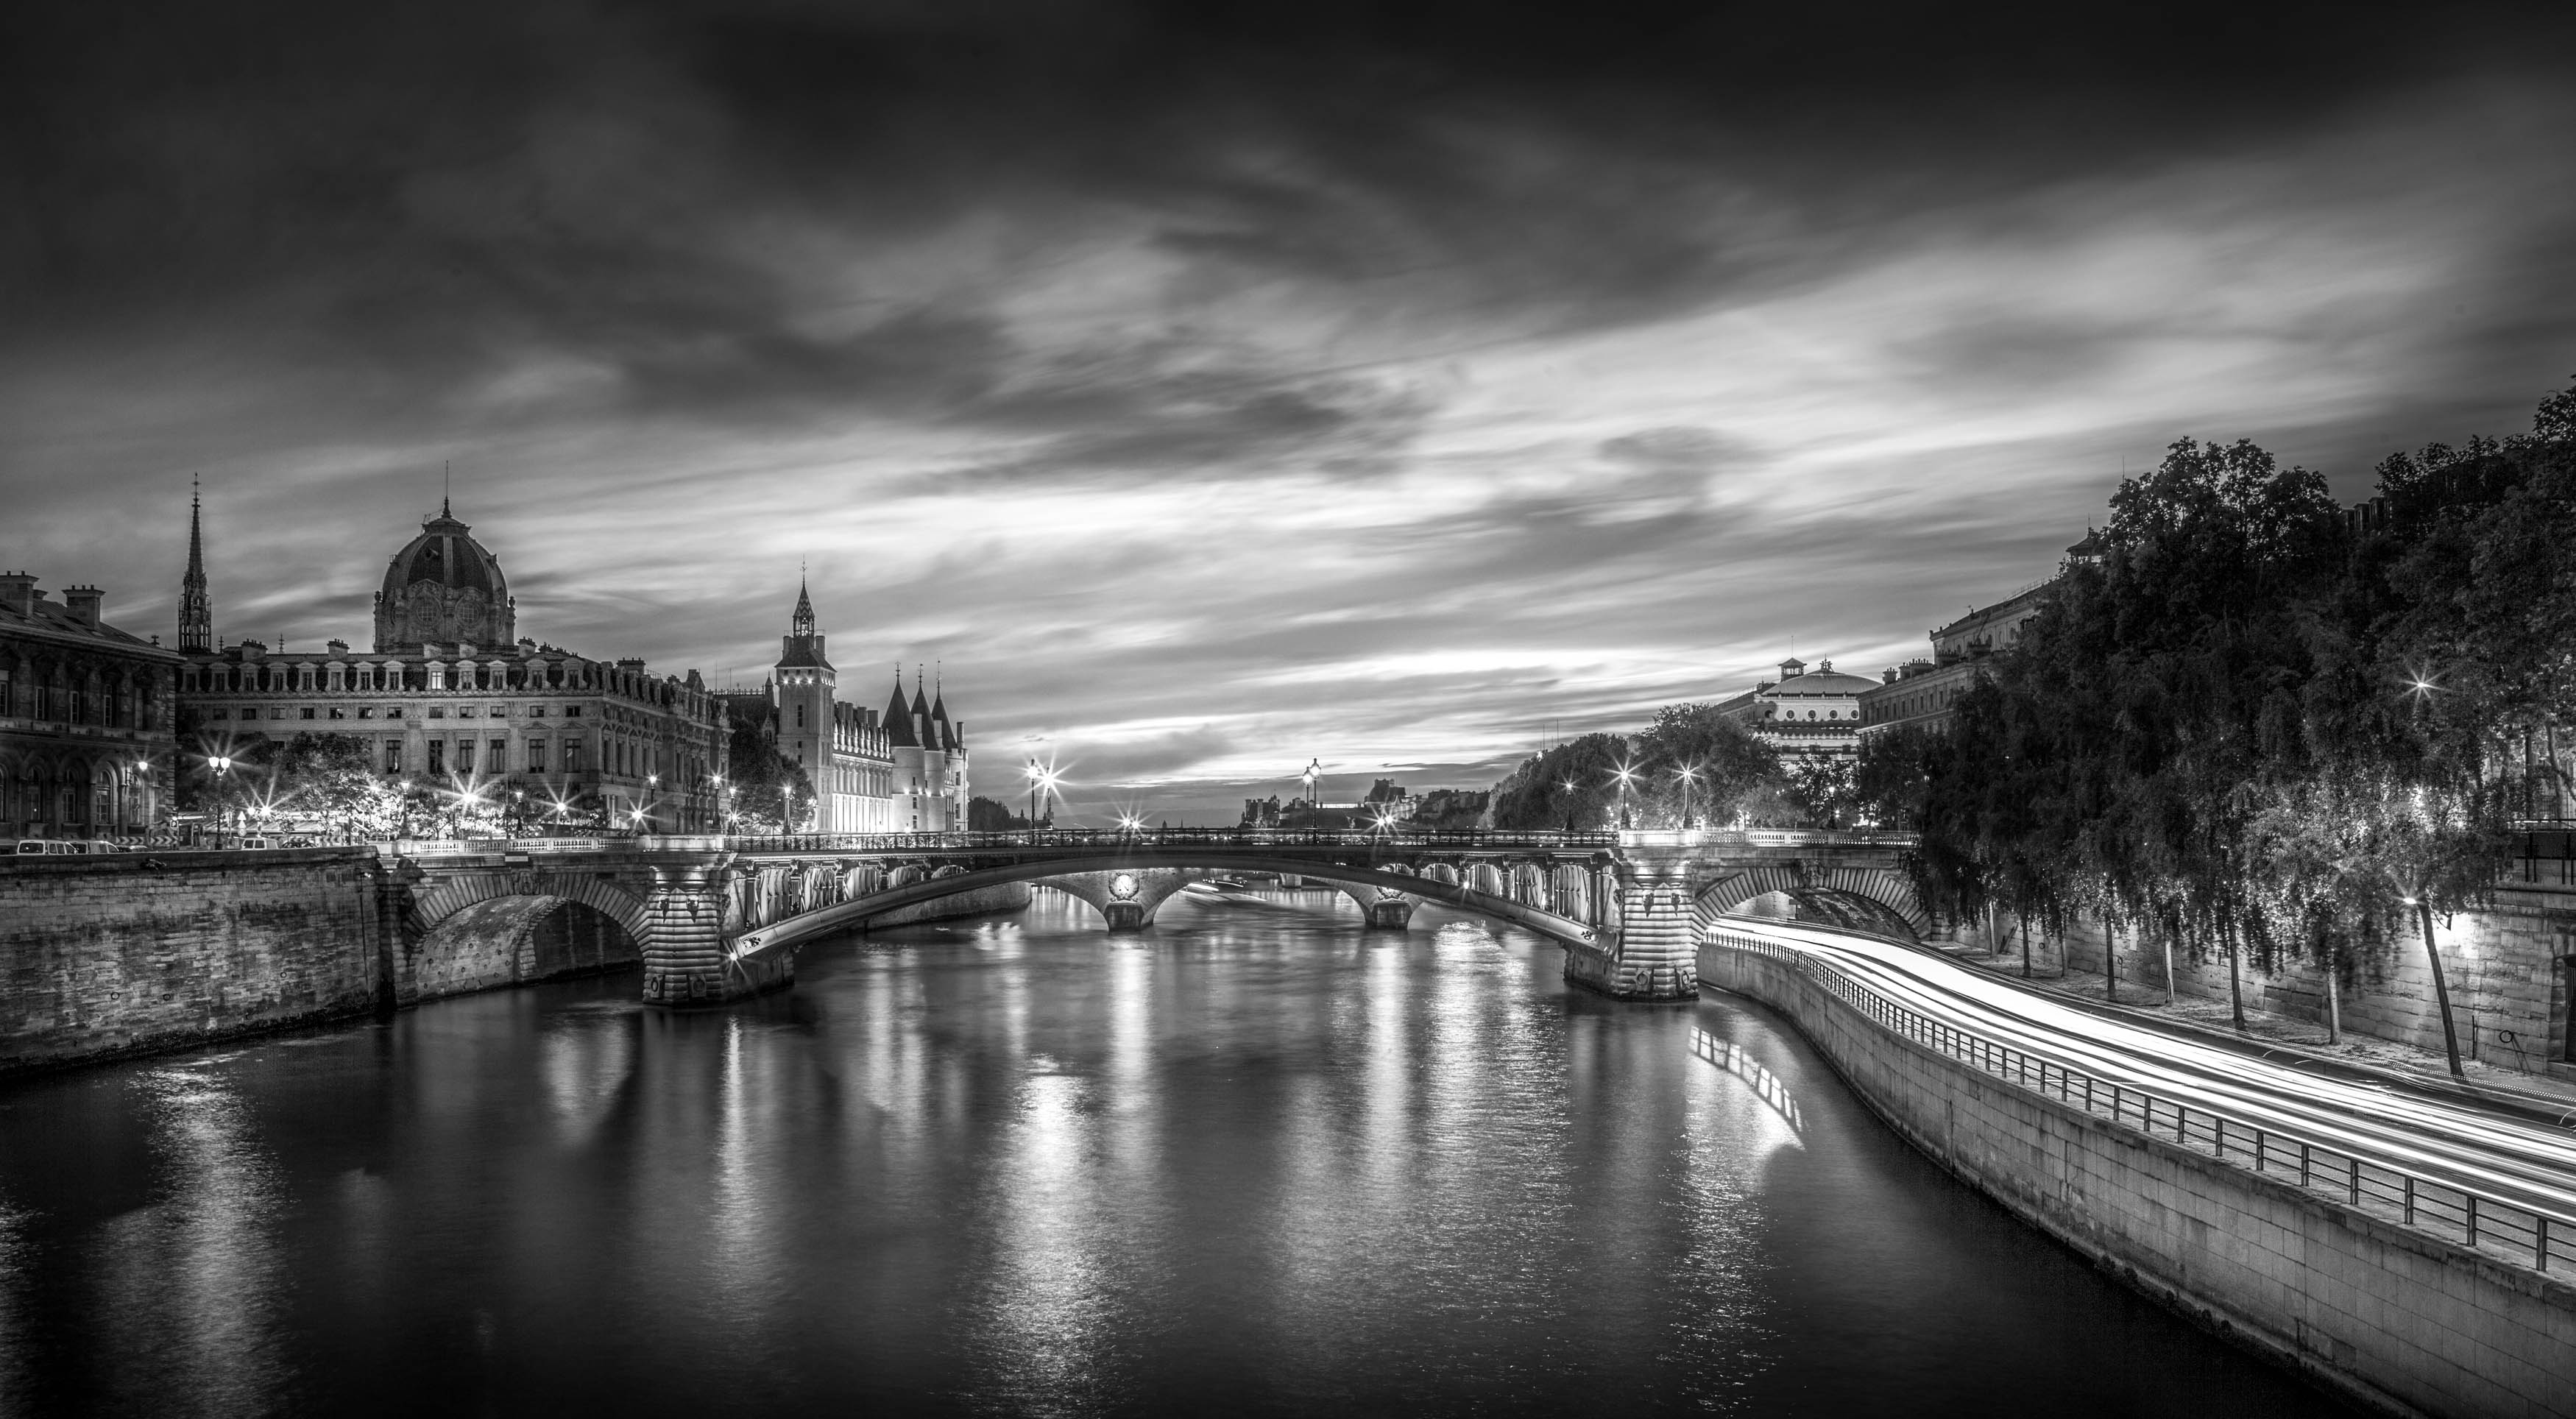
x,y
1211,393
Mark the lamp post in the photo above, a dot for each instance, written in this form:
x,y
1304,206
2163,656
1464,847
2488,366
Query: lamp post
x,y
1036,775
1624,774
405,829
1686,773
1314,806
1568,786
223,766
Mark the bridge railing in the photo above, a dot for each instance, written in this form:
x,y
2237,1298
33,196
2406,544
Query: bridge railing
x,y
1764,837
1111,839
2510,1231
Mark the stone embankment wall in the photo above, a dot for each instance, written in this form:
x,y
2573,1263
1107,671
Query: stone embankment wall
x,y
2508,967
99,956
2394,1317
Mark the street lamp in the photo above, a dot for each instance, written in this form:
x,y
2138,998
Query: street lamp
x,y
1568,786
222,765
1686,773
1624,775
1314,777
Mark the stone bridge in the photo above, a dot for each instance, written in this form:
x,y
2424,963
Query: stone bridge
x,y
715,919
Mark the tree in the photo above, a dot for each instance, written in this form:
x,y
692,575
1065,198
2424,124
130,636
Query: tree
x,y
329,776
2258,727
1729,768
983,815
771,793
1572,787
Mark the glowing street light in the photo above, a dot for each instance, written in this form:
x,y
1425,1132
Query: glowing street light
x,y
1686,774
222,765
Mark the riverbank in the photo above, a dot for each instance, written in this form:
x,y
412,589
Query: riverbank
x,y
2391,1315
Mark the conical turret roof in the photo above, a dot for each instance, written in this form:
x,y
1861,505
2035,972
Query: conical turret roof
x,y
898,719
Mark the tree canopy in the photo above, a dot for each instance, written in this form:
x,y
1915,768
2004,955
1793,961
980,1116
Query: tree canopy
x,y
2261,723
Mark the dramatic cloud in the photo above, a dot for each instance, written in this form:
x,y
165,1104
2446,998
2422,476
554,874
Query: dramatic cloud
x,y
1212,387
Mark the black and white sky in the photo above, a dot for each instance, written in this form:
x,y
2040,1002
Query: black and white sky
x,y
1210,387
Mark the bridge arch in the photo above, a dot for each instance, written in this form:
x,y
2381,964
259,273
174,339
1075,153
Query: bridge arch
x,y
1364,884
1864,898
474,930
454,892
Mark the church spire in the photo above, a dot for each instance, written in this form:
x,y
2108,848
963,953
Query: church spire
x,y
802,623
196,609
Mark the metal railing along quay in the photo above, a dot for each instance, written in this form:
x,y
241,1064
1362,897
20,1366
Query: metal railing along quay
x,y
2510,1231
1119,839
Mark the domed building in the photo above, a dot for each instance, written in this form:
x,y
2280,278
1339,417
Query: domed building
x,y
451,701
444,587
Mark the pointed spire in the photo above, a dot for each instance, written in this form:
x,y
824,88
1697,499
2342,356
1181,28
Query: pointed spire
x,y
196,609
898,719
802,623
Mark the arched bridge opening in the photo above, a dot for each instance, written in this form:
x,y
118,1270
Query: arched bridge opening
x,y
480,930
1860,899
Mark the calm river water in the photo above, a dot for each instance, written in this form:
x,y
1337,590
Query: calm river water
x,y
1257,1161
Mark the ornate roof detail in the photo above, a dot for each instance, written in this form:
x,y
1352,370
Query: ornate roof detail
x,y
444,586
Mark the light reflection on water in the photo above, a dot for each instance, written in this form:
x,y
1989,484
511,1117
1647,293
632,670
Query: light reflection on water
x,y
1257,1160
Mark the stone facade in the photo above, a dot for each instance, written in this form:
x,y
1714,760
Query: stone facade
x,y
1920,692
87,719
543,733
1803,712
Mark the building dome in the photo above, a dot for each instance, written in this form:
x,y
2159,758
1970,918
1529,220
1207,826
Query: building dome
x,y
443,586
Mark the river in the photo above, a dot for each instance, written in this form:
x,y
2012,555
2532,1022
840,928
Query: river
x,y
1259,1160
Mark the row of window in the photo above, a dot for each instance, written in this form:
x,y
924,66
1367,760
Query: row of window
x,y
38,696
443,760
430,675
369,712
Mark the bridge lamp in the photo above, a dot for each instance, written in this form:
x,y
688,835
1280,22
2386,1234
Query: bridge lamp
x,y
1686,773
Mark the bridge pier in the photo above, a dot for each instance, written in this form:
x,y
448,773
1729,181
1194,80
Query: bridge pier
x,y
685,960
1392,911
1647,918
1126,898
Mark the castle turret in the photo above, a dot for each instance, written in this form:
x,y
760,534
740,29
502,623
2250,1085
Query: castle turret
x,y
804,681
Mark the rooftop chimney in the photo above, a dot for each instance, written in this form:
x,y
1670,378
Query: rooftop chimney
x,y
18,592
337,646
83,601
